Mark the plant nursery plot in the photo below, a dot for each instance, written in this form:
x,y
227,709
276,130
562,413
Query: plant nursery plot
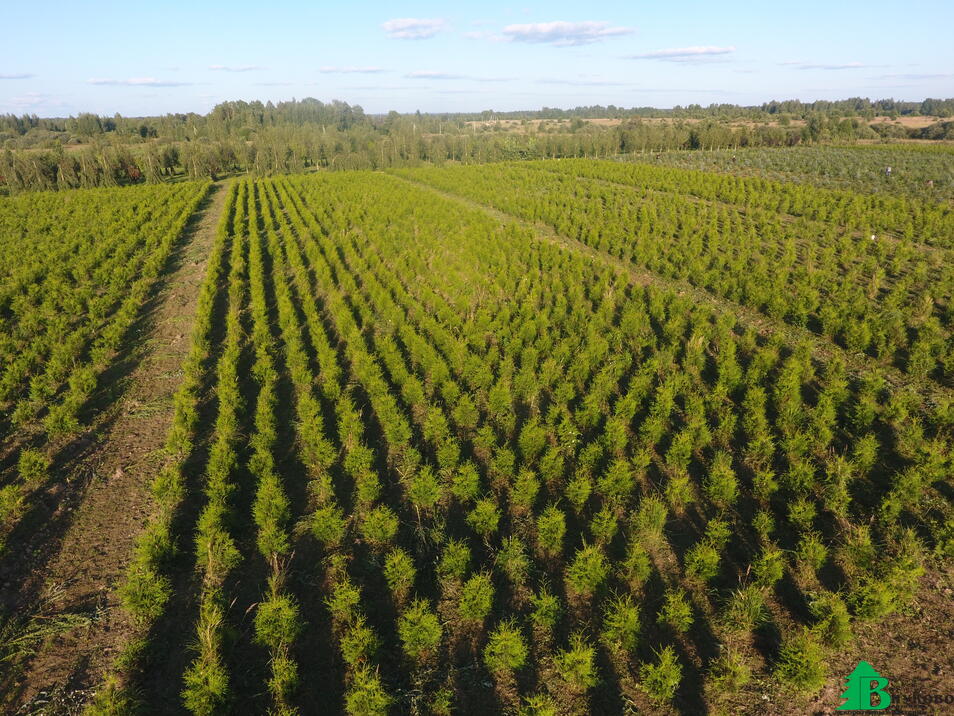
x,y
76,270
470,447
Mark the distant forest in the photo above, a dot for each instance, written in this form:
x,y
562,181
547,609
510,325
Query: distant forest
x,y
298,135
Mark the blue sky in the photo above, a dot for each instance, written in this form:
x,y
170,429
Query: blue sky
x,y
62,58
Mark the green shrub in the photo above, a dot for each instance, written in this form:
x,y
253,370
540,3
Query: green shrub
x,y
379,526
454,560
485,517
811,551
621,623
745,609
512,560
419,630
144,593
399,571
676,611
33,467
506,650
551,528
366,696
729,672
546,609
720,483
359,643
277,621
476,598
660,680
833,623
702,561
650,519
577,665
587,571
328,525
801,662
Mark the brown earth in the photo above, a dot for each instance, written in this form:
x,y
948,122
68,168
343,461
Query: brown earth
x,y
82,577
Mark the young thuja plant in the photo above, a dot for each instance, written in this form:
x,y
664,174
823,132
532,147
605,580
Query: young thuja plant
x,y
513,560
650,520
636,566
729,672
587,571
551,529
485,517
604,526
524,492
832,621
745,609
506,649
546,610
359,644
424,491
327,524
476,599
578,490
399,571
811,551
379,526
720,483
702,560
621,624
367,696
769,567
679,493
661,679
455,558
420,631
33,467
576,666
676,612
801,662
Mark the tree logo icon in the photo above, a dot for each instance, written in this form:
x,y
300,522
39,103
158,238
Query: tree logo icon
x,y
863,683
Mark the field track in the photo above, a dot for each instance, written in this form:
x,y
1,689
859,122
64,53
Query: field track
x,y
85,567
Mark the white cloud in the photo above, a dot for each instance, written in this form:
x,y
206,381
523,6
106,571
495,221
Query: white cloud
x,y
413,28
34,101
696,53
238,68
564,34
435,75
812,66
16,76
913,77
583,83
351,70
136,82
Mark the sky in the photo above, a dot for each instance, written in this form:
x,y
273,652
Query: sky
x,y
61,58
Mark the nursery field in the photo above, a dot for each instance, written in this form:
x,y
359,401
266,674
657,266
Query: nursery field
x,y
555,437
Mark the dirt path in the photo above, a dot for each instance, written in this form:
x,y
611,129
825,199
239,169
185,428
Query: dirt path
x,y
857,363
82,577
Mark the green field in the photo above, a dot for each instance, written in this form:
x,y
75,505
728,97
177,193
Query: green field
x,y
565,436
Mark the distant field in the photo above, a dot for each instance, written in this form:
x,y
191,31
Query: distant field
x,y
566,436
907,121
916,170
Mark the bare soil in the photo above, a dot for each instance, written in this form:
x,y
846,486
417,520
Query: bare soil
x,y
90,560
